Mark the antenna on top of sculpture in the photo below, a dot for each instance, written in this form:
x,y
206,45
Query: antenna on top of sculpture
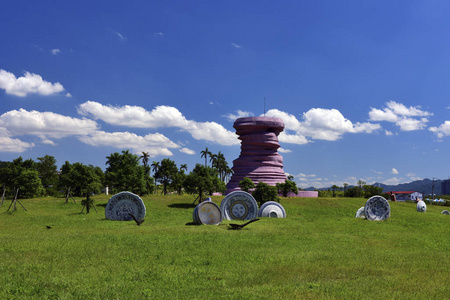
x,y
264,106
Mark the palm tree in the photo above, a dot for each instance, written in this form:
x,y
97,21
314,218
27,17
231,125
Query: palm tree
x,y
145,156
334,188
183,167
205,153
155,165
361,183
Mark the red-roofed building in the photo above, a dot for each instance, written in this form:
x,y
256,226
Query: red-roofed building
x,y
407,195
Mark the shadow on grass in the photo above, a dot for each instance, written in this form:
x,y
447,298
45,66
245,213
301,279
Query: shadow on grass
x,y
182,205
191,224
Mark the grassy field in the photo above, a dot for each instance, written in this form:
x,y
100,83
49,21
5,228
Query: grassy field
x,y
319,251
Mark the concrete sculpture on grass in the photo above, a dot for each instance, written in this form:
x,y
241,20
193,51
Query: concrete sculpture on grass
x,y
121,205
239,205
272,209
259,159
207,213
377,209
421,206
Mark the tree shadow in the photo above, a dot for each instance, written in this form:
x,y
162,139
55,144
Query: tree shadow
x,y
182,205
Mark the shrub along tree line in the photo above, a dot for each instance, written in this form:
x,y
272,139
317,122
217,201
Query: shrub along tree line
x,y
263,192
123,173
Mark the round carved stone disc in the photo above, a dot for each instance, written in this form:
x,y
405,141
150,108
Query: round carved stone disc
x,y
421,206
377,209
207,213
272,209
122,204
445,212
239,205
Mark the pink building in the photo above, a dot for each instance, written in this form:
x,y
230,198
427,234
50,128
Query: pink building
x,y
259,159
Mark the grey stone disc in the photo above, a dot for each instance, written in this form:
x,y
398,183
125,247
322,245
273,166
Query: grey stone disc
x,y
122,204
377,209
360,213
445,212
239,205
272,209
421,206
207,213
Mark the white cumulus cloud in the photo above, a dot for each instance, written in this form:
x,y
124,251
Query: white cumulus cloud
x,y
8,144
55,51
442,130
239,114
160,116
28,84
155,144
394,171
407,118
44,125
187,151
318,124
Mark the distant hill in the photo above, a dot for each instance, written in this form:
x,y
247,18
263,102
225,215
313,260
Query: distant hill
x,y
423,186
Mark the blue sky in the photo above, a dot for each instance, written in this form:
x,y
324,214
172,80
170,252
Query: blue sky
x,y
362,86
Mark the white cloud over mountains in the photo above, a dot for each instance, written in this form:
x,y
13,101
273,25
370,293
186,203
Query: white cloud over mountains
x,y
28,84
318,124
407,118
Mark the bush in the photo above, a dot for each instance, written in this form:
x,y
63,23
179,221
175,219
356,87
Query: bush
x,y
264,193
246,184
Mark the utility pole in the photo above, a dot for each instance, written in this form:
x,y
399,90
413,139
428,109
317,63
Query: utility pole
x,y
432,190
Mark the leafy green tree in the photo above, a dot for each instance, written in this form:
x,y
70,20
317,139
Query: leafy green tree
x,y
201,180
166,173
246,184
286,187
125,174
81,179
354,191
22,175
29,184
370,190
48,173
177,183
334,188
264,192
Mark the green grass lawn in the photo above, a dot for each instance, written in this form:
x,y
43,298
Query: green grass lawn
x,y
319,251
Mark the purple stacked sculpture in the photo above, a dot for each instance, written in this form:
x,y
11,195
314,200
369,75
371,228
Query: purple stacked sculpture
x,y
259,159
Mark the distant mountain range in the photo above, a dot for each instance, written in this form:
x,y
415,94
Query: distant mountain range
x,y
424,186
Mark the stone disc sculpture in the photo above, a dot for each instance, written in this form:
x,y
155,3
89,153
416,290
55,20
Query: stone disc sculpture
x,y
207,213
121,205
377,209
239,205
272,209
421,206
445,212
360,213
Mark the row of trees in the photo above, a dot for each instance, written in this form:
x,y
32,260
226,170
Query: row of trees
x,y
360,190
123,173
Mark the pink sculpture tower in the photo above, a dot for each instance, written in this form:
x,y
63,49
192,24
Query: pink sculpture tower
x,y
259,159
